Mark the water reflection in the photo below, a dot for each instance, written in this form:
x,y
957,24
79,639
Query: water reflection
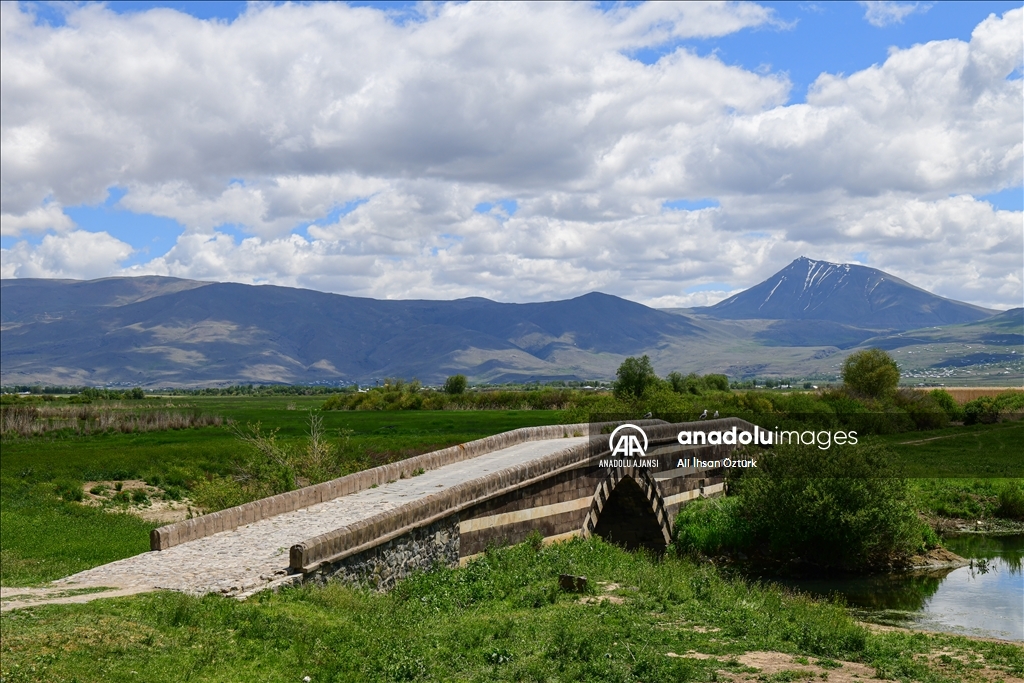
x,y
985,598
978,546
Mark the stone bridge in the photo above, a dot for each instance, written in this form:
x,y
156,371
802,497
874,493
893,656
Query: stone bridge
x,y
377,526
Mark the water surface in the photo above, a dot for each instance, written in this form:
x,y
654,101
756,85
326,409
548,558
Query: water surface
x,y
985,598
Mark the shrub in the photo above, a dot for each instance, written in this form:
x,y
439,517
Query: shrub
x,y
841,509
716,382
218,493
173,492
69,490
922,409
842,403
696,384
1011,401
871,372
982,410
140,497
945,400
1011,501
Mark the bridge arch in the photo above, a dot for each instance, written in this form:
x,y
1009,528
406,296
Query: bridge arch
x,y
627,510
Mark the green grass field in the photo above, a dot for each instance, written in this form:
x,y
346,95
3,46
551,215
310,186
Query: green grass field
x,y
502,618
45,538
959,472
975,451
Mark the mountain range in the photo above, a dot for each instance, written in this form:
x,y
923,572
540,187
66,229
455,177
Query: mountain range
x,y
158,331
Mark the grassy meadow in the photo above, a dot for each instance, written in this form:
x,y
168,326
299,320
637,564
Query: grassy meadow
x,y
46,537
500,618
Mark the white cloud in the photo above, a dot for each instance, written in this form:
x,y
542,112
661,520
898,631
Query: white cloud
x,y
278,119
49,216
77,255
883,13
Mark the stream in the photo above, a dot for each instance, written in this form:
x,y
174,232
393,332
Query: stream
x,y
983,599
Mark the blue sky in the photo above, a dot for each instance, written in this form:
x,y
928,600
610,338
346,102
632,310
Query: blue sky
x,y
395,195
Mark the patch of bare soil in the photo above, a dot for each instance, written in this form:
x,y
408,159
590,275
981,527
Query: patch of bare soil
x,y
606,588
761,666
968,664
138,498
20,598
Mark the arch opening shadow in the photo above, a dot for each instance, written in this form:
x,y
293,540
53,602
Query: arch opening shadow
x,y
627,519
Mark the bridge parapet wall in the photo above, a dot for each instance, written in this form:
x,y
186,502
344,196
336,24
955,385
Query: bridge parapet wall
x,y
234,517
336,545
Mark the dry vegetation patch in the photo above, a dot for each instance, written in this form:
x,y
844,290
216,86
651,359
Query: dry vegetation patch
x,y
32,420
965,394
138,498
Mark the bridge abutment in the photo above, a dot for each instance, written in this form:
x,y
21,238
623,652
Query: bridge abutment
x,y
384,565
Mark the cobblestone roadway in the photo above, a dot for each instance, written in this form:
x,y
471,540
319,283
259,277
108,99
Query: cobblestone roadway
x,y
255,556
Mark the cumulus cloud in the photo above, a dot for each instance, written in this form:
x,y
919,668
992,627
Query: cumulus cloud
x,y
49,216
77,255
352,151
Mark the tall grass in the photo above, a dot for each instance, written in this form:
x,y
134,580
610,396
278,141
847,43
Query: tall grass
x,y
965,394
28,420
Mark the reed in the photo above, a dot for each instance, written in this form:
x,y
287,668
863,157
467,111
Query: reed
x,y
25,421
965,394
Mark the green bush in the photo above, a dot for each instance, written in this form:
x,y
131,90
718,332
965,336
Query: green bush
x,y
69,490
984,410
871,372
219,493
696,384
1011,401
925,411
140,497
845,508
945,400
1011,501
173,493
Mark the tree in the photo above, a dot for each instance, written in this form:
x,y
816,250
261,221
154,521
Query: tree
x,y
716,382
871,372
454,385
635,375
